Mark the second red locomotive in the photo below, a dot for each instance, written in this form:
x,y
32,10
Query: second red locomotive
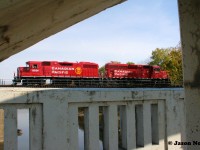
x,y
117,70
87,74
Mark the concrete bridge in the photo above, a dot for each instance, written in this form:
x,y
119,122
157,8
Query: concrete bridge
x,y
23,23
149,118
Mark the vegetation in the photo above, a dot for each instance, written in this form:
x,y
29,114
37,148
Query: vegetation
x,y
130,62
102,70
169,59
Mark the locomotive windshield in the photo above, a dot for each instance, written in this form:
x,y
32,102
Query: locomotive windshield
x,y
27,65
34,66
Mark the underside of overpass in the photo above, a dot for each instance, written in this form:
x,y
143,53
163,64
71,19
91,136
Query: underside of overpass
x,y
24,23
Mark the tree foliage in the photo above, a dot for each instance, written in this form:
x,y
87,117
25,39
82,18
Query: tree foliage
x,y
169,59
102,70
130,63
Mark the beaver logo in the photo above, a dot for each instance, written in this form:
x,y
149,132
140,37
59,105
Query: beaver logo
x,y
78,70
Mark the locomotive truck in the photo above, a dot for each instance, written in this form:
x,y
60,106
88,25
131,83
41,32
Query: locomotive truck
x,y
86,74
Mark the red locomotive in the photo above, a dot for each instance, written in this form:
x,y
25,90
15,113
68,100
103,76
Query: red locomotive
x,y
115,70
87,74
37,72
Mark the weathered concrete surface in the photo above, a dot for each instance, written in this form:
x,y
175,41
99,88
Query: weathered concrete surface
x,y
24,23
1,126
54,116
189,12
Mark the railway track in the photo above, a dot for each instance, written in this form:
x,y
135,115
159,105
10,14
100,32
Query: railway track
x,y
92,83
97,86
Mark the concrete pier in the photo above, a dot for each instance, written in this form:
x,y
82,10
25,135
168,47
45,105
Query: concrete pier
x,y
1,124
189,12
1,129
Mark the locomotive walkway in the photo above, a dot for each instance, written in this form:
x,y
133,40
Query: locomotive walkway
x,y
148,118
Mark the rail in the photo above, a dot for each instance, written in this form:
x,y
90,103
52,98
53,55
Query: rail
x,y
132,118
90,83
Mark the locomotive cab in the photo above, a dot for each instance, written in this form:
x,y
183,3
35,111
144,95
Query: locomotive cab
x,y
28,73
32,69
157,73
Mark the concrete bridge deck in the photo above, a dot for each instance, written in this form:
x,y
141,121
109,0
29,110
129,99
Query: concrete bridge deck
x,y
24,23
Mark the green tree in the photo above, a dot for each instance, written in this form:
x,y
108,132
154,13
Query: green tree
x,y
130,62
102,71
169,59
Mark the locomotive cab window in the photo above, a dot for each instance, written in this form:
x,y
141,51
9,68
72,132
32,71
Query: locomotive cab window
x,y
27,64
34,66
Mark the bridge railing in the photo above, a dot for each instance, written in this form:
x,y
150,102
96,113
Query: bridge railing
x,y
121,118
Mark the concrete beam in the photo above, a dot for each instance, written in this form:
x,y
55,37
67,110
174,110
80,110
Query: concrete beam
x,y
24,23
189,12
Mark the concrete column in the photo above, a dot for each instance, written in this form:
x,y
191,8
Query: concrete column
x,y
1,125
189,12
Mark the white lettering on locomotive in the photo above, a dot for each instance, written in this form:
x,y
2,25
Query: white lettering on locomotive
x,y
121,72
59,72
61,68
35,70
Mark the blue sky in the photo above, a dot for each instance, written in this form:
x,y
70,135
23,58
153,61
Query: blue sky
x,y
127,32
